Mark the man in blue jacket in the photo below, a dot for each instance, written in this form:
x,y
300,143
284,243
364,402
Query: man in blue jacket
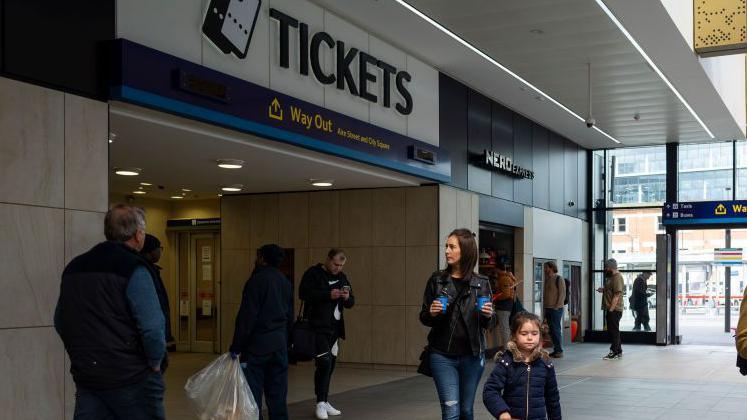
x,y
111,323
261,333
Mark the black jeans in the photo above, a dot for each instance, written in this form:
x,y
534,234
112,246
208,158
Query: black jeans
x,y
613,327
642,317
269,373
554,319
143,400
325,365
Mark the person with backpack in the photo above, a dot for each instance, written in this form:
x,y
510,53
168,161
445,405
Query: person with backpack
x,y
554,299
503,302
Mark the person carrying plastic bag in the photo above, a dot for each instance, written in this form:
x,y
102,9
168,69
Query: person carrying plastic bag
x,y
220,392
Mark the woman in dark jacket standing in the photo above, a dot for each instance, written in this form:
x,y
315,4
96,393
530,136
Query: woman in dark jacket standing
x,y
457,307
523,383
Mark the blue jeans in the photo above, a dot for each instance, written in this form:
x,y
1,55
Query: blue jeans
x,y
554,322
143,400
456,382
269,373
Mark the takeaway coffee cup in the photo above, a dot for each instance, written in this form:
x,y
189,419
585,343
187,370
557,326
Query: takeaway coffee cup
x,y
481,301
444,302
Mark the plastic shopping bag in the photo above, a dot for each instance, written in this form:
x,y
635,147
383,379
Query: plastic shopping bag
x,y
220,392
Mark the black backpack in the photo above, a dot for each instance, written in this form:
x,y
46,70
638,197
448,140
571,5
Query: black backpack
x,y
567,290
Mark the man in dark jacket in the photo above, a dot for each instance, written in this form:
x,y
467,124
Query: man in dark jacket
x,y
152,253
110,321
640,297
326,293
261,332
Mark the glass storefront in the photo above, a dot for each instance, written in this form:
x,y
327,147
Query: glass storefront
x,y
628,190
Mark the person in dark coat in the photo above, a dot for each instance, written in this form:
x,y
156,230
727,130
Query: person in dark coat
x,y
640,302
260,335
523,383
112,326
326,293
152,253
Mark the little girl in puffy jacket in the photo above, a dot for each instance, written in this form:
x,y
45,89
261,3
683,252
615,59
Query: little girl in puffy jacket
x,y
523,384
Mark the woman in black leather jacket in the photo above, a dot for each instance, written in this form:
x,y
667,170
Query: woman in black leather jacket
x,y
456,341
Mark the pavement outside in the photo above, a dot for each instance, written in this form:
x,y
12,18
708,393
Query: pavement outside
x,y
675,382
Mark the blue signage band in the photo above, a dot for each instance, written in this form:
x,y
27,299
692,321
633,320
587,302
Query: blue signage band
x,y
192,111
154,79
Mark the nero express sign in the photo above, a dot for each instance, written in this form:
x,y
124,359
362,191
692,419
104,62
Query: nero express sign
x,y
310,55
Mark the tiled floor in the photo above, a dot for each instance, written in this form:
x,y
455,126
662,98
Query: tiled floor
x,y
679,382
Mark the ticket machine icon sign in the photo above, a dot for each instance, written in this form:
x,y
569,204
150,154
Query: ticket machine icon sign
x,y
720,210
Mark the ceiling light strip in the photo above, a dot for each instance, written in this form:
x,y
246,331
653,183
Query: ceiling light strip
x,y
495,63
650,62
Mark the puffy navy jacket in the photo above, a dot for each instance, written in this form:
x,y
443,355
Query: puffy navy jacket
x,y
526,390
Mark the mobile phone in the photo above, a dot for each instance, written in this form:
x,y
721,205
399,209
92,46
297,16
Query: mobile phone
x,y
345,288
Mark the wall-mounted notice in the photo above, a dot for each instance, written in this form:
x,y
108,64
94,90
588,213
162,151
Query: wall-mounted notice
x,y
207,253
207,307
207,272
184,307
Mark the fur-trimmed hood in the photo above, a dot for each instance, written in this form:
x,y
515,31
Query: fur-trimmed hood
x,y
513,350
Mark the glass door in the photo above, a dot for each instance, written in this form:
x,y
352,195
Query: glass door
x,y
538,286
198,267
709,291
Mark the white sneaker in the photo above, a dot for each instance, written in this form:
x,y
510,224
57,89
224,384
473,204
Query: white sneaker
x,y
331,410
321,411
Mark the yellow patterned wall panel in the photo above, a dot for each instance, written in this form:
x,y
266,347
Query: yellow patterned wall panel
x,y
720,26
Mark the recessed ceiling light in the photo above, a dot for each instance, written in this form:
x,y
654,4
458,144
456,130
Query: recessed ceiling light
x,y
321,183
177,197
537,31
139,192
186,189
127,171
146,184
220,195
230,163
233,188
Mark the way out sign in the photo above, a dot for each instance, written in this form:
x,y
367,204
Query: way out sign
x,y
727,256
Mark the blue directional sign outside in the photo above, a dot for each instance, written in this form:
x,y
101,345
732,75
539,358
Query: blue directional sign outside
x,y
705,212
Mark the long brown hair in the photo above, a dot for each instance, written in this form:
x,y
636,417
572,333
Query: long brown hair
x,y
468,251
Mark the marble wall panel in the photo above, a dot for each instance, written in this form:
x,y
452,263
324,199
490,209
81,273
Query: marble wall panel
x,y
86,154
32,123
235,226
83,230
32,382
32,254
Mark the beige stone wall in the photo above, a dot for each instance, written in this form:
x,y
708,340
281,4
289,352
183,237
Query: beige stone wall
x,y
391,236
53,197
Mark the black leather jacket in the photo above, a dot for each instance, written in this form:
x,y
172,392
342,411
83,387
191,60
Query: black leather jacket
x,y
442,325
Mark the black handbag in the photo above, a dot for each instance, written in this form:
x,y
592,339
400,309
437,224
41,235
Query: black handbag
x,y
424,368
302,340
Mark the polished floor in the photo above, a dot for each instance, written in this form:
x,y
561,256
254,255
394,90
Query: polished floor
x,y
678,382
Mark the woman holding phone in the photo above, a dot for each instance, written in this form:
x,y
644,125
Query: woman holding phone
x,y
457,307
